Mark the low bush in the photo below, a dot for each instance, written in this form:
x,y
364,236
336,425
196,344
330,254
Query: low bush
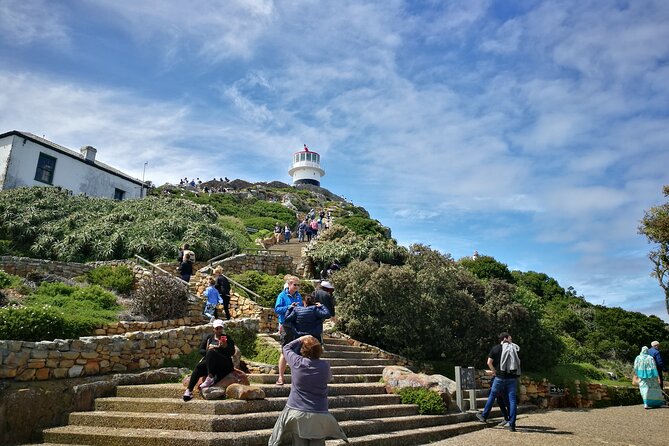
x,y
268,287
116,278
188,361
73,298
159,298
45,322
429,402
5,280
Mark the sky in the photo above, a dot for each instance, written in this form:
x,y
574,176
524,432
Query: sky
x,y
536,132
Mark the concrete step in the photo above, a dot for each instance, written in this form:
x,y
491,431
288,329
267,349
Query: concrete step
x,y
330,354
175,390
229,407
102,436
357,369
338,362
219,423
327,340
271,379
424,435
87,435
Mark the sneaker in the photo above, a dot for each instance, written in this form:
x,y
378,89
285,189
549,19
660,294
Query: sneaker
x,y
480,417
188,395
207,383
503,423
512,428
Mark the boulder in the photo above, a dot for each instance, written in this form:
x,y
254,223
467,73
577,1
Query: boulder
x,y
398,377
244,392
217,391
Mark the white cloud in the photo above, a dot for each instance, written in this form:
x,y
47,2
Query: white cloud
x,y
24,22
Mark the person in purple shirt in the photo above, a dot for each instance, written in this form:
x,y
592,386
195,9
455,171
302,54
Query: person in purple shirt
x,y
305,419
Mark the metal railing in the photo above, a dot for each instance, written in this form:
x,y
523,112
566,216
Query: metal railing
x,y
221,256
155,267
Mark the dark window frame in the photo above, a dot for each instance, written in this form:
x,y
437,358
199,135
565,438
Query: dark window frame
x,y
46,168
119,194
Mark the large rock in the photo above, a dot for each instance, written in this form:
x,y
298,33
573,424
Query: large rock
x,y
397,377
218,390
242,392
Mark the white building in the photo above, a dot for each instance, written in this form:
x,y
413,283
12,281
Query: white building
x,y
28,160
306,168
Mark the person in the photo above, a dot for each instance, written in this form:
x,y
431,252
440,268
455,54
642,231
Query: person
x,y
301,231
286,233
645,373
213,300
314,228
277,233
217,350
325,296
305,420
186,268
308,232
185,250
223,287
475,255
654,351
288,297
504,363
307,319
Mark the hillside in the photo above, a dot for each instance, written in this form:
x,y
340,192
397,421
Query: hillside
x,y
408,300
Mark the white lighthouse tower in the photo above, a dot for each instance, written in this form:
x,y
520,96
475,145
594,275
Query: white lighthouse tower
x,y
306,167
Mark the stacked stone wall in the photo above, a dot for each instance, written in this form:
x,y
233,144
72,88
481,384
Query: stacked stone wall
x,y
587,396
97,355
267,263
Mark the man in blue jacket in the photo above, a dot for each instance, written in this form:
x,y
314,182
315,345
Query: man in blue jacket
x,y
289,297
654,351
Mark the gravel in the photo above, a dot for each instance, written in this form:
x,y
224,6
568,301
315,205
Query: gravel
x,y
613,426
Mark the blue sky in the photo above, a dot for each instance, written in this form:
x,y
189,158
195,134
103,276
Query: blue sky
x,y
535,132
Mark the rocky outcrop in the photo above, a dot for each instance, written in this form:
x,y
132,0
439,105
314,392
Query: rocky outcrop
x,y
398,377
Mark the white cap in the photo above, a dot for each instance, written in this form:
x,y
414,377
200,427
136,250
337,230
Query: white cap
x,y
326,284
218,323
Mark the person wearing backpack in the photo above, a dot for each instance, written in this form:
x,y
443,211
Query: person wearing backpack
x,y
504,363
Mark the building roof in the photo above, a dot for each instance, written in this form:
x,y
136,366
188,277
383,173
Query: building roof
x,y
71,153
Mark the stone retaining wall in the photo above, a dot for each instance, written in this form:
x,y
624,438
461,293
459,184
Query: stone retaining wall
x,y
26,408
97,355
269,264
583,396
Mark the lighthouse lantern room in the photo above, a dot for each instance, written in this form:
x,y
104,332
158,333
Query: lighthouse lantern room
x,y
306,167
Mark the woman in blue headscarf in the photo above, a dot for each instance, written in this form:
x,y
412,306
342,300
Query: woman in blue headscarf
x,y
649,381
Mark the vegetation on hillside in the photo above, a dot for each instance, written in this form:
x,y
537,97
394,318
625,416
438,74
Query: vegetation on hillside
x,y
48,223
432,308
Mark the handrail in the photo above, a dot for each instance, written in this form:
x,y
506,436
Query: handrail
x,y
220,256
244,288
156,267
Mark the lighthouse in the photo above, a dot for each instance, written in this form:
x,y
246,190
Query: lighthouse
x,y
306,167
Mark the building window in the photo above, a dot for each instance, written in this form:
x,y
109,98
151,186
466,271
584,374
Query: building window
x,y
46,166
119,194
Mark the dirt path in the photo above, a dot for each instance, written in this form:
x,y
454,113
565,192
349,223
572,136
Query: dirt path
x,y
613,426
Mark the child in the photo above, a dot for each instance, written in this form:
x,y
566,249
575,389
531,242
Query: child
x,y
213,299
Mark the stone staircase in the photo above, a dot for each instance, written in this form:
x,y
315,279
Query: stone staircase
x,y
155,415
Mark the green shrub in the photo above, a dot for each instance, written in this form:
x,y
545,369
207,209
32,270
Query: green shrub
x,y
38,323
73,298
263,353
116,278
188,361
266,223
245,340
159,298
265,285
624,396
429,402
8,280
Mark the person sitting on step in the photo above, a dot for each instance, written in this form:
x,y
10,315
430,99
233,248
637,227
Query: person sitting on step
x,y
217,350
